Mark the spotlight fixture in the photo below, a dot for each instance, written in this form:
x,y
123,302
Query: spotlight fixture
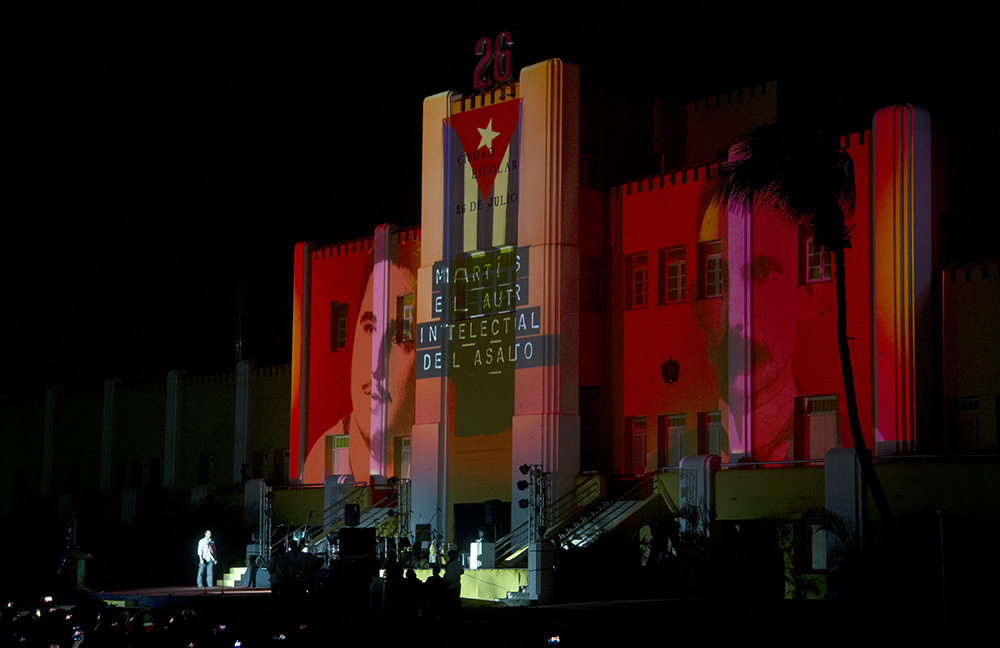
x,y
523,503
525,469
522,484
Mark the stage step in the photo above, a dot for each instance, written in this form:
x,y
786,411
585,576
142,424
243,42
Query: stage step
x,y
232,577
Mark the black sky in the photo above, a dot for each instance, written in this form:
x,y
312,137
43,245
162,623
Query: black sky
x,y
155,161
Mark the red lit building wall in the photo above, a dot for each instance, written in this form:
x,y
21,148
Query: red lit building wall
x,y
353,368
794,374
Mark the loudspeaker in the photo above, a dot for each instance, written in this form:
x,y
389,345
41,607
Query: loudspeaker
x,y
493,512
352,515
357,543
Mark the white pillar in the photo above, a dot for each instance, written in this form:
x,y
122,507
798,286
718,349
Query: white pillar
x,y
903,266
546,424
381,348
301,314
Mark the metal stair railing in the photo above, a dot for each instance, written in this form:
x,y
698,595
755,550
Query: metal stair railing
x,y
608,512
579,524
564,509
333,513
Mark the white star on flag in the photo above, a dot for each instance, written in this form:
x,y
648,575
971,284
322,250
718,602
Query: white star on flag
x,y
487,135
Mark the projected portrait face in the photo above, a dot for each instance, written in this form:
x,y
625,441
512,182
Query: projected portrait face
x,y
380,384
770,288
371,388
361,366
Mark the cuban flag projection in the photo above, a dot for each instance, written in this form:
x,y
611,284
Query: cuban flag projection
x,y
482,146
480,222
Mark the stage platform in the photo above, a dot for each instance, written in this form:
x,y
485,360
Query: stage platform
x,y
185,597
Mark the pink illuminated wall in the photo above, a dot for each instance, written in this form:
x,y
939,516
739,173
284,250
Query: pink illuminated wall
x,y
905,263
752,326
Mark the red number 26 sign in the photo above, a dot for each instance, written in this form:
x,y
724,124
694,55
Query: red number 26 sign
x,y
494,60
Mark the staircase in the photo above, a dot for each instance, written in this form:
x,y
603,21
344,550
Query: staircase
x,y
582,515
232,578
603,517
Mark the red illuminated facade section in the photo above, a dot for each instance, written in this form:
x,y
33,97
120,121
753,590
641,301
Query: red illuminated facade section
x,y
745,305
354,362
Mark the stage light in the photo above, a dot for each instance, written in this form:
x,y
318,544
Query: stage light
x,y
522,484
525,469
523,503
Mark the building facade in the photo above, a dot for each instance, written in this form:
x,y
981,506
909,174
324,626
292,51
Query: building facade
x,y
553,318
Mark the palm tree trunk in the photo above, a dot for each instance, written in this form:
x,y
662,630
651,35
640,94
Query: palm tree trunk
x,y
868,473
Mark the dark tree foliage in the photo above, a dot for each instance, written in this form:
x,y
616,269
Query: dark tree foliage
x,y
803,174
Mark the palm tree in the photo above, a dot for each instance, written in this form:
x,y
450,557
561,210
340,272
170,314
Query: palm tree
x,y
805,176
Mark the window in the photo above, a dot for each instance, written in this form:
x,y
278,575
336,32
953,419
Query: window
x,y
672,275
711,269
337,460
338,326
635,448
817,264
816,429
404,318
672,430
710,433
636,287
403,470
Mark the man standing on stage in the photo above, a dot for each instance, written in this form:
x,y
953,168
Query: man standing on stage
x,y
206,559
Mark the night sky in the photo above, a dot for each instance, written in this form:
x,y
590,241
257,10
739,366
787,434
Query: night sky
x,y
157,163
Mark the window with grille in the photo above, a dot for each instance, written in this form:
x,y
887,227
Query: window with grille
x,y
404,318
636,462
636,269
711,269
817,262
338,461
710,433
338,326
672,275
676,431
